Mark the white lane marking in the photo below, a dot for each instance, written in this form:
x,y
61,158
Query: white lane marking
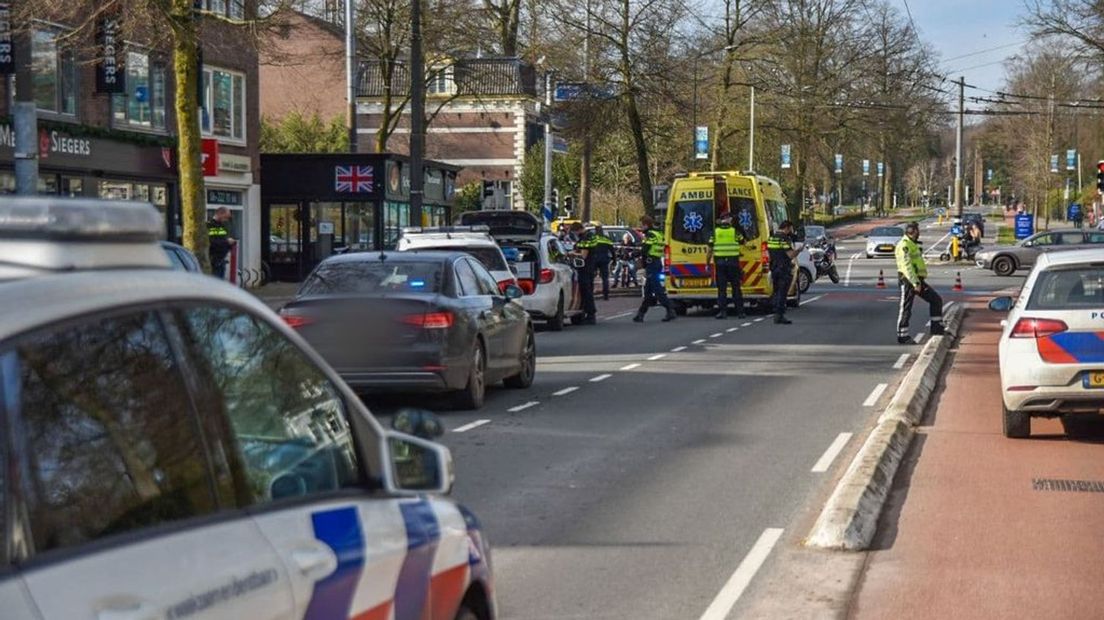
x,y
698,341
748,324
831,453
619,316
630,367
745,572
856,255
677,349
732,329
600,378
933,248
467,427
565,391
900,363
810,300
760,319
918,338
875,395
716,335
657,356
523,406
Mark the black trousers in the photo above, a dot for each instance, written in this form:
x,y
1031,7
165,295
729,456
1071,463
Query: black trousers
x,y
218,267
603,272
654,292
908,295
728,274
780,282
586,290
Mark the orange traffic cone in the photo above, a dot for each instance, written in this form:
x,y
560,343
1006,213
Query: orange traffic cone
x,y
958,281
881,279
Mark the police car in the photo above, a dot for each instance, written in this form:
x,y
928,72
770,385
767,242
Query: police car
x,y
171,449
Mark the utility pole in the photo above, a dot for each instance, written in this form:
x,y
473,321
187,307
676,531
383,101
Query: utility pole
x,y
417,111
958,146
350,74
24,116
550,209
588,141
751,133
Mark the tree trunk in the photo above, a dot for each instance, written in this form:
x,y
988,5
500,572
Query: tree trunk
x,y
193,206
636,125
887,187
584,178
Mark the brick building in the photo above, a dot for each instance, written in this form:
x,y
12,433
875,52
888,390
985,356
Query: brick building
x,y
122,145
302,68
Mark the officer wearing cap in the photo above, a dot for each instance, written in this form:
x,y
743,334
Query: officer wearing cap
x,y
724,255
584,248
912,273
781,254
654,293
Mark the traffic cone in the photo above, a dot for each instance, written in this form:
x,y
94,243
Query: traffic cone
x,y
958,281
881,279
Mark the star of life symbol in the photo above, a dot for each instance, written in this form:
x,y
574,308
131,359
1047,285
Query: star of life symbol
x,y
693,222
745,218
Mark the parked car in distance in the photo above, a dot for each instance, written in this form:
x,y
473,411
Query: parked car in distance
x,y
882,240
472,240
1051,358
181,257
815,233
1005,261
415,321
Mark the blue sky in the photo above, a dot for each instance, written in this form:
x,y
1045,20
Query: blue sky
x,y
959,27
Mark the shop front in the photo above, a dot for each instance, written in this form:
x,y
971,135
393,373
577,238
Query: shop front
x,y
81,161
317,205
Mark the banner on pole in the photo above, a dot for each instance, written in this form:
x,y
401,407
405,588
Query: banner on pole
x,y
701,143
881,168
1054,163
1071,159
866,167
786,156
839,163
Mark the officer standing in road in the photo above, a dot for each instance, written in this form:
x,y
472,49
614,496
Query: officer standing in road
x,y
781,249
912,273
219,242
724,255
603,256
654,293
584,248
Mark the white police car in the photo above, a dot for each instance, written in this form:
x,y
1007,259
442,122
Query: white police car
x,y
171,449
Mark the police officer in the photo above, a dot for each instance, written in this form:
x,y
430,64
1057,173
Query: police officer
x,y
781,250
584,248
603,256
912,273
220,241
724,254
654,293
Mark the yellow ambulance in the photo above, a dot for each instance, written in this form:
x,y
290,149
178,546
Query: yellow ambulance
x,y
695,200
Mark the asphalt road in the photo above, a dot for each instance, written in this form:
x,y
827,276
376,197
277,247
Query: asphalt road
x,y
650,468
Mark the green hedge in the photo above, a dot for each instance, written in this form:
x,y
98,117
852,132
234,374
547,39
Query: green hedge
x,y
829,220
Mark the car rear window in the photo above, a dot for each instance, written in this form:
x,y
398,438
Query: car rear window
x,y
374,277
1062,289
693,219
490,257
888,231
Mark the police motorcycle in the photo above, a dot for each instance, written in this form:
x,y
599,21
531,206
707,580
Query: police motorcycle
x,y
823,253
968,246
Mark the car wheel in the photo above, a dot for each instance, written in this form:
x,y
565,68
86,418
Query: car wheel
x,y
833,274
528,367
556,323
471,397
869,255
1004,266
804,280
1017,424
577,319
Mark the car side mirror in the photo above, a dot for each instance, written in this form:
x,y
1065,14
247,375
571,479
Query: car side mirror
x,y
417,422
416,465
1001,304
513,291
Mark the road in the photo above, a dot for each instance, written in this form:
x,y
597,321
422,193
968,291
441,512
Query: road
x,y
648,461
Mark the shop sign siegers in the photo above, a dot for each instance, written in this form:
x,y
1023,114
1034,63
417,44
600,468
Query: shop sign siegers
x,y
110,77
50,142
7,60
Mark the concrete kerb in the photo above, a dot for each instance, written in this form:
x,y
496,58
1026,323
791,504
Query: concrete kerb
x,y
850,517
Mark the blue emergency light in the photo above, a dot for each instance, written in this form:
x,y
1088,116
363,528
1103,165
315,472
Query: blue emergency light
x,y
417,283
511,254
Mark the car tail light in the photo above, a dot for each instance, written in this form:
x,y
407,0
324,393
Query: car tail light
x,y
666,258
527,286
1037,328
546,276
502,284
296,321
765,255
429,320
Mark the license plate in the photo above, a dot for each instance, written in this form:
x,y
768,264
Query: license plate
x,y
885,248
694,282
1093,379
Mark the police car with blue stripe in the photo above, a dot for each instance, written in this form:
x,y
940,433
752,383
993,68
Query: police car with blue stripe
x,y
171,449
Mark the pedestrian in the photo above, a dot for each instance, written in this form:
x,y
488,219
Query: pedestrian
x,y
912,274
781,250
654,293
724,255
603,256
220,241
584,248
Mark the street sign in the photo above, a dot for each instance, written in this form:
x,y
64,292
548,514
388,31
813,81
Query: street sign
x,y
578,91
866,167
701,143
1073,212
559,145
786,156
839,163
1025,225
1071,159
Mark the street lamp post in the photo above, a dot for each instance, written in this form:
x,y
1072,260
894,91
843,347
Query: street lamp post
x,y
550,211
417,111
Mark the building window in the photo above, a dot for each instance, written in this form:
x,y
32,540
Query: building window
x,y
237,9
143,105
54,73
223,113
234,9
440,81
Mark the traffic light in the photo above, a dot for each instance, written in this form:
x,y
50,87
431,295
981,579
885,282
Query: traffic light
x,y
1100,176
569,204
555,198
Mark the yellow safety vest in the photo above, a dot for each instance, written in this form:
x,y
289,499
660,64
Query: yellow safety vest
x,y
726,242
910,260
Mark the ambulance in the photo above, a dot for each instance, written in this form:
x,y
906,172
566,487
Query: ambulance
x,y
696,200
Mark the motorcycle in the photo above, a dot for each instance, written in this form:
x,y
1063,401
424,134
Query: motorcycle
x,y
823,254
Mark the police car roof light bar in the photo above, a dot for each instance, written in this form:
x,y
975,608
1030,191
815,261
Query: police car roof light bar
x,y
79,219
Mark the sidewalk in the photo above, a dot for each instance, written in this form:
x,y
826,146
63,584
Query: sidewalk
x,y
969,531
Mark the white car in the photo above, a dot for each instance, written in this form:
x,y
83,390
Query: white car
x,y
1051,356
883,240
806,269
473,240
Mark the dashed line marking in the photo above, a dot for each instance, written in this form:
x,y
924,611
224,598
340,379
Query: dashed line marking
x,y
565,391
467,427
732,590
900,363
657,356
748,324
523,406
759,319
732,329
677,349
825,460
600,378
618,316
810,300
918,338
699,341
875,395
630,367
716,335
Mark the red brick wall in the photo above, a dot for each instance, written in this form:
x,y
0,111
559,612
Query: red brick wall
x,y
303,69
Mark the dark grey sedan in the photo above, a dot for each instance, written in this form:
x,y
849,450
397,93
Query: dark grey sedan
x,y
415,322
1005,261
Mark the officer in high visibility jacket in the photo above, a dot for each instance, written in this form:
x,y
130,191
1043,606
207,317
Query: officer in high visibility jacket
x,y
219,241
781,254
912,273
584,248
654,293
724,255
603,256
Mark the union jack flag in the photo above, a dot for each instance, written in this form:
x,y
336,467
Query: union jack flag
x,y
353,179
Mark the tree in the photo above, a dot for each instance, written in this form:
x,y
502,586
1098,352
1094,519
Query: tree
x,y
565,171
505,17
296,133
